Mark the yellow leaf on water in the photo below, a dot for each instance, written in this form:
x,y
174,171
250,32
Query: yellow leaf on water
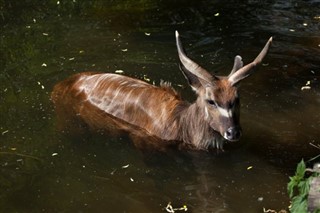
x,y
305,88
4,132
125,166
146,78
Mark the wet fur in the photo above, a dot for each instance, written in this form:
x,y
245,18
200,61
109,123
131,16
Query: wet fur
x,y
182,123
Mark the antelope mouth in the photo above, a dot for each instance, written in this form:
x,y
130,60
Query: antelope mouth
x,y
233,134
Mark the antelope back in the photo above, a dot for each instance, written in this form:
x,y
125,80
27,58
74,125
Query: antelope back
x,y
131,103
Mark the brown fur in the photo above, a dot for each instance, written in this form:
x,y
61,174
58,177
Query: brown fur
x,y
170,119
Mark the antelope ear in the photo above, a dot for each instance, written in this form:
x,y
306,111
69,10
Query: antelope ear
x,y
192,79
247,70
197,76
236,65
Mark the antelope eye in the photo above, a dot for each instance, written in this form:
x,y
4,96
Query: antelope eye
x,y
211,102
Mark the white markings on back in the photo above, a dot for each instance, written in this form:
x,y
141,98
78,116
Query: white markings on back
x,y
114,93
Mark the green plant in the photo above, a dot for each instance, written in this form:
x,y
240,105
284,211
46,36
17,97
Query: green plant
x,y
299,187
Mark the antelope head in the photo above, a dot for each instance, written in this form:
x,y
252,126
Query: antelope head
x,y
218,95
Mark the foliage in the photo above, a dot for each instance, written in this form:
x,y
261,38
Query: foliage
x,y
298,189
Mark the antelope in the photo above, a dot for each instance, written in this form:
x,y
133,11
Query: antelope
x,y
102,99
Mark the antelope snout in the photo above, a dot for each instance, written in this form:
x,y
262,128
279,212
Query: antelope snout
x,y
233,133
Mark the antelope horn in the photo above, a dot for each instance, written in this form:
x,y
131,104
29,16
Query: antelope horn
x,y
248,69
190,65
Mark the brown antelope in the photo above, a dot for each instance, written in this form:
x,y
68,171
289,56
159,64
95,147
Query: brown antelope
x,y
99,99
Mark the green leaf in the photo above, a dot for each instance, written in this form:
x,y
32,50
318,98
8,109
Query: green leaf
x,y
299,204
298,180
304,186
301,168
290,190
291,185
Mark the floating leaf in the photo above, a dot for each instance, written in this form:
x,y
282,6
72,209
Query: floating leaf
x,y
169,208
146,78
305,88
4,132
125,166
112,173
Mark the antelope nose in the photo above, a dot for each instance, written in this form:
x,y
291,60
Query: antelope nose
x,y
233,133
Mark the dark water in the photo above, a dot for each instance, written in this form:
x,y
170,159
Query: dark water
x,y
42,42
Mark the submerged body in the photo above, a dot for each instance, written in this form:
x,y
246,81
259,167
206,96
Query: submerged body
x,y
110,101
100,98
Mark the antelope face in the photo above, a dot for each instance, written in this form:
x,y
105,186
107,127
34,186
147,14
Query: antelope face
x,y
221,106
218,95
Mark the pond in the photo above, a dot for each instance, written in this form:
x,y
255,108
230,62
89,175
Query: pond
x,y
43,42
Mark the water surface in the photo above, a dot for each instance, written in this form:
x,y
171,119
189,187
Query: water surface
x,y
43,170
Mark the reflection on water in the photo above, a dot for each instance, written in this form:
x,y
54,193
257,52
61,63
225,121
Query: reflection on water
x,y
42,43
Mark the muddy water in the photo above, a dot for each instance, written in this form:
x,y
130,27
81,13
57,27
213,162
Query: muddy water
x,y
42,169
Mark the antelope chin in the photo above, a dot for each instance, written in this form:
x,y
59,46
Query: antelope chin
x,y
235,140
230,140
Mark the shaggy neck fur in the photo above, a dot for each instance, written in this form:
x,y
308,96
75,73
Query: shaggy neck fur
x,y
195,131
